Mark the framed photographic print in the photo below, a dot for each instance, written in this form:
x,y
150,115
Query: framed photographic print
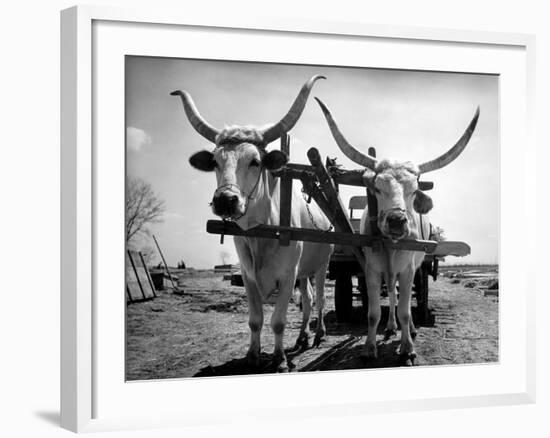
x,y
255,202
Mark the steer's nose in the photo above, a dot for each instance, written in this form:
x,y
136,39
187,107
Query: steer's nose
x,y
396,221
225,204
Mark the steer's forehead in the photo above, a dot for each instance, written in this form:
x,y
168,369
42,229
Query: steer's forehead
x,y
234,135
390,172
238,143
235,153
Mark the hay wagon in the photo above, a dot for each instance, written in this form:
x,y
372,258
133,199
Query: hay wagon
x,y
321,183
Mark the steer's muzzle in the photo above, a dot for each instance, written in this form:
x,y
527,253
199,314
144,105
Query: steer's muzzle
x,y
227,205
396,225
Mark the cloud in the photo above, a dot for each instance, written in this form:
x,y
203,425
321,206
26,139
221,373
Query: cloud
x,y
174,215
136,138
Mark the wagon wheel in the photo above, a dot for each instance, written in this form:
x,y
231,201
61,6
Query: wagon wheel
x,y
343,297
435,268
421,287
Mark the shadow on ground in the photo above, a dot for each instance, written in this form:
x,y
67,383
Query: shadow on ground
x,y
344,355
51,417
358,322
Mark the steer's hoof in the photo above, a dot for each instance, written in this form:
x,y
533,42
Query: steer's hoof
x,y
253,359
283,367
407,359
318,339
369,352
280,364
389,333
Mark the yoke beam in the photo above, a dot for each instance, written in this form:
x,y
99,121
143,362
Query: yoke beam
x,y
318,236
340,176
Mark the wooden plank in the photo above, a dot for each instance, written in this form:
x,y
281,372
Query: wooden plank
x,y
306,175
293,170
299,167
285,144
132,279
139,286
128,294
347,177
165,264
328,164
285,195
448,247
339,175
340,220
141,274
133,291
311,235
148,274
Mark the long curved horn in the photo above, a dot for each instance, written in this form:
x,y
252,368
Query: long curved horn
x,y
289,120
348,150
195,118
452,153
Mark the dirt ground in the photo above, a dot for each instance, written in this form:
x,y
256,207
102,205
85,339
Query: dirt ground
x,y
205,331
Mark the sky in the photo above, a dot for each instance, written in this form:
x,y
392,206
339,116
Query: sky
x,y
406,115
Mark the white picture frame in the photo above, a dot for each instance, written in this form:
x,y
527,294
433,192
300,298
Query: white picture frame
x,y
85,375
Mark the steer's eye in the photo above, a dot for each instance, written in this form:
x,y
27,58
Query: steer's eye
x,y
254,163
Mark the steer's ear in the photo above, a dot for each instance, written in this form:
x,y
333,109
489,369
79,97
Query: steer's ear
x,y
422,202
274,160
203,160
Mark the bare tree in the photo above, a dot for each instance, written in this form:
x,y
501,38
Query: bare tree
x,y
143,207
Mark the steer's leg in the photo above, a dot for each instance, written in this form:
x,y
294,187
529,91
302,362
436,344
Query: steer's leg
x,y
306,297
391,326
255,320
278,321
320,277
374,283
412,328
404,313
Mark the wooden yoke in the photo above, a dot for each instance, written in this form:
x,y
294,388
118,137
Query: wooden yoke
x,y
321,186
334,208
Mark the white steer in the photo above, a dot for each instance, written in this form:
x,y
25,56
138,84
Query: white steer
x,y
402,209
248,194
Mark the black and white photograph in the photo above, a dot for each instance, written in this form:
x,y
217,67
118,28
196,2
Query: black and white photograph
x,y
296,218
233,219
